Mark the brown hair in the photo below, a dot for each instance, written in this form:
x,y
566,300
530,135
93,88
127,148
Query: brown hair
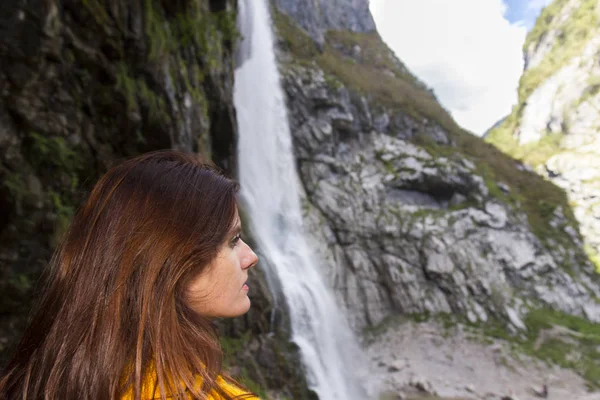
x,y
113,308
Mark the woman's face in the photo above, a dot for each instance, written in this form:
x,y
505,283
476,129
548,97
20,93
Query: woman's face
x,y
221,290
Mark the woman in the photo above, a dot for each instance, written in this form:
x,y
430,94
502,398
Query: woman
x,y
149,260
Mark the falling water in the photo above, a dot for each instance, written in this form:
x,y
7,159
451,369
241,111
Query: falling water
x,y
271,194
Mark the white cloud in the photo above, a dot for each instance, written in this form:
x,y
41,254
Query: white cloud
x,y
464,49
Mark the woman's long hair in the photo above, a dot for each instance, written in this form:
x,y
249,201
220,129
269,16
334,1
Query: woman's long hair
x,y
114,308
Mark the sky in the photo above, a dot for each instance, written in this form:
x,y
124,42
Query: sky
x,y
468,51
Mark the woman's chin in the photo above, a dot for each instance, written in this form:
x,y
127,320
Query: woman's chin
x,y
240,309
245,308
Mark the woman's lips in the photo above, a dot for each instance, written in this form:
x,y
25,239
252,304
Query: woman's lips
x,y
245,287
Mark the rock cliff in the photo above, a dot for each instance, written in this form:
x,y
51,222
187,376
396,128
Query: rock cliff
x,y
319,16
415,214
555,127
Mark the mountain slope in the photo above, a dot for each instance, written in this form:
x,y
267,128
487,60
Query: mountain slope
x,y
555,128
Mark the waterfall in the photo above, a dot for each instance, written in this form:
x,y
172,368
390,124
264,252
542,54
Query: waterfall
x,y
270,191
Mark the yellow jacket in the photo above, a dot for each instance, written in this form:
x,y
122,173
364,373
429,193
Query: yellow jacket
x,y
148,390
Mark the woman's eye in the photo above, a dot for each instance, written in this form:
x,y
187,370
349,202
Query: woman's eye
x,y
236,239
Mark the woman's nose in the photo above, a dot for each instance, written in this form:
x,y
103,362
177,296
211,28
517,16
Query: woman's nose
x,y
250,259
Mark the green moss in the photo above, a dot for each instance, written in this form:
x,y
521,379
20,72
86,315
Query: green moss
x,y
533,154
157,109
160,38
225,22
52,151
333,82
390,168
587,343
54,158
373,52
251,384
193,42
292,38
60,166
536,154
195,27
97,11
593,87
136,92
593,255
192,78
544,22
503,136
21,282
64,216
16,187
232,347
176,34
575,32
127,85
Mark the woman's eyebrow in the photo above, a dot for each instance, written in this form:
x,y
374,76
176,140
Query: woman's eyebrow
x,y
237,228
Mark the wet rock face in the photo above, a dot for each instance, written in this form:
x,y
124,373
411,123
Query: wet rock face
x,y
319,16
82,85
399,230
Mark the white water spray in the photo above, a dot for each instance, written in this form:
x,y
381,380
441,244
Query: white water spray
x,y
270,192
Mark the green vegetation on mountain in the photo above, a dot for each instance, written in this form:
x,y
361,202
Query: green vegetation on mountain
x,y
532,154
544,21
573,33
562,339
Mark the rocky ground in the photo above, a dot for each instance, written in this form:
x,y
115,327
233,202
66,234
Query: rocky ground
x,y
426,360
